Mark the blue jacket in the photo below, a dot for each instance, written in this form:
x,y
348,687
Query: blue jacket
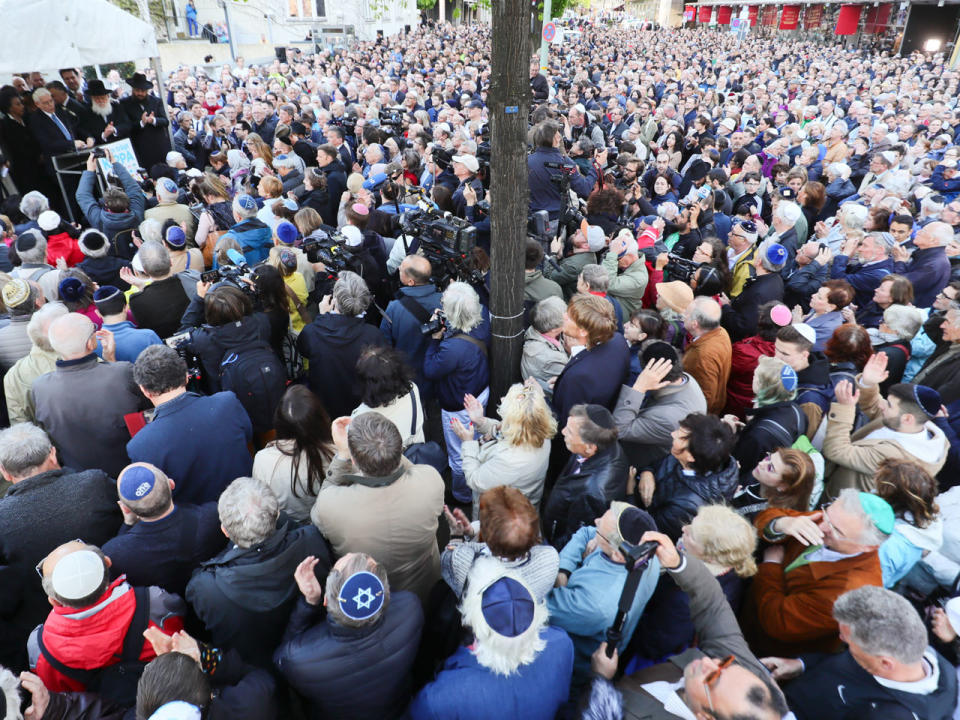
x,y
402,329
131,340
464,690
456,366
592,376
585,607
111,223
863,278
948,188
200,442
343,672
544,195
255,238
929,271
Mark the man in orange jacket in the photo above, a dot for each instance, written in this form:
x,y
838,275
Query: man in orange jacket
x,y
814,559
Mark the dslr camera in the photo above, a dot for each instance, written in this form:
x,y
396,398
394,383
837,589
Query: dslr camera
x,y
435,324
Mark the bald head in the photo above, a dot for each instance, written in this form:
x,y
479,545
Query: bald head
x,y
415,270
933,235
72,336
702,314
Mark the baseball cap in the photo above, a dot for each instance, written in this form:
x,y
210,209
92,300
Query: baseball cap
x,y
468,161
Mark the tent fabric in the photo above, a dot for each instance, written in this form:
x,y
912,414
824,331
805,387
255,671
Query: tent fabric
x,y
46,35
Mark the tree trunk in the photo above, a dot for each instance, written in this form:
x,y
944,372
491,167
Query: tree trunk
x,y
509,104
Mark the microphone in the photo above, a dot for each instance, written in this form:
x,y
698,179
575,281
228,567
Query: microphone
x,y
237,258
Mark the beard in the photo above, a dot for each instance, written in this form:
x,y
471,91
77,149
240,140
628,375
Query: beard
x,y
102,111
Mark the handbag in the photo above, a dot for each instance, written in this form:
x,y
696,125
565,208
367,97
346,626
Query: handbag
x,y
425,453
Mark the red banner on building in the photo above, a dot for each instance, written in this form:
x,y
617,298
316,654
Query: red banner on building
x,y
812,17
877,18
769,15
790,17
706,11
689,13
848,19
752,13
723,14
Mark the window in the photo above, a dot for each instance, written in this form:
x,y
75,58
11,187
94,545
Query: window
x,y
306,8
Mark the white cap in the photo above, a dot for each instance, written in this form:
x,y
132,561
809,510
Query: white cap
x,y
176,710
353,235
596,238
77,575
729,123
809,334
48,220
468,161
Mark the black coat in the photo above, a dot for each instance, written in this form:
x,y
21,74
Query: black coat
x,y
768,428
334,343
21,149
209,343
678,496
92,125
37,515
362,674
49,137
579,498
835,687
740,317
151,143
160,305
336,184
244,595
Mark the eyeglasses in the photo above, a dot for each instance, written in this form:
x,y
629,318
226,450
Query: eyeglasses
x,y
833,528
39,566
713,677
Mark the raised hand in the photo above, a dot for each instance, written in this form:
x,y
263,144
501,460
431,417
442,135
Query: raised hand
x,y
307,581
875,370
652,376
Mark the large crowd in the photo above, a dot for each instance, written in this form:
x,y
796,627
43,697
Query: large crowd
x,y
251,465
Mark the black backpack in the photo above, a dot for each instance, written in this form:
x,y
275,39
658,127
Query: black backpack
x,y
257,377
117,682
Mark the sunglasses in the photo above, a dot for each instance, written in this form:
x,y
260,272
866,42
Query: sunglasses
x,y
713,677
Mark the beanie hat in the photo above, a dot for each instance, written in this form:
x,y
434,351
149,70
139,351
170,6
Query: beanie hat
x,y
749,229
71,289
781,315
928,399
27,241
246,202
288,259
508,607
93,243
677,295
167,185
104,294
632,522
15,293
48,220
809,334
77,575
136,483
287,232
879,511
175,237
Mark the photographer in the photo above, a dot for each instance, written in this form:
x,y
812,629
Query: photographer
x,y
544,193
465,169
122,207
564,267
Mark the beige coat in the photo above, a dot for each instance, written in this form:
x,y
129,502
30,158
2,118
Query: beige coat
x,y
394,521
854,459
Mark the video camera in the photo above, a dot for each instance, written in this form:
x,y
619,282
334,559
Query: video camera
x,y
240,274
180,342
332,250
442,157
680,268
446,241
347,123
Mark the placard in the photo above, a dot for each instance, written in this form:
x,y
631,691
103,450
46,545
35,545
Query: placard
x,y
122,152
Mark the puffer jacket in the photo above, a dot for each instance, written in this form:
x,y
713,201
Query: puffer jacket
x,y
578,498
744,360
768,428
679,495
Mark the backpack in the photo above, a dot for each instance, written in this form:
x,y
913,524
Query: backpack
x,y
117,682
292,359
258,379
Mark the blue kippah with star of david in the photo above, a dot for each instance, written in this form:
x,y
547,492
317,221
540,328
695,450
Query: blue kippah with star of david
x,y
361,596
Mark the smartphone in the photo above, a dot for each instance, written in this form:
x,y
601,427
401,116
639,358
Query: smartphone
x,y
209,276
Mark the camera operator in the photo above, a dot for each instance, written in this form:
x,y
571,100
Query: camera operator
x,y
328,160
630,168
216,139
465,169
544,194
481,223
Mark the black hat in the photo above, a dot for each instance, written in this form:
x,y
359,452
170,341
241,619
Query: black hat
x,y
298,128
599,415
659,349
96,88
26,240
139,82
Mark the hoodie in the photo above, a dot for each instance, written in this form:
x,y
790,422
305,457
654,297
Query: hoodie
x,y
906,545
244,595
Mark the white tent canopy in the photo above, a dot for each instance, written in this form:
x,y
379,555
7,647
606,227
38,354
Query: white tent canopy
x,y
46,35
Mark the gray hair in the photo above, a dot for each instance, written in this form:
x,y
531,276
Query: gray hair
x,y
150,229
882,622
764,260
904,320
242,212
23,448
159,369
596,277
38,253
34,203
461,304
839,170
705,312
172,157
941,231
591,432
69,335
155,259
248,511
236,160
548,314
884,240
788,211
285,161
351,294
40,93
39,325
849,500
375,444
852,216
931,206
354,563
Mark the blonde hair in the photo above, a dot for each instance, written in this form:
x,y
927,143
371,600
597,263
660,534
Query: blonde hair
x,y
256,143
527,421
271,186
307,220
767,379
727,538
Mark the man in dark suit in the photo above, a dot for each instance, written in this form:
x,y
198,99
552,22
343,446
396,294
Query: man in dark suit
x,y
55,134
151,142
77,112
106,122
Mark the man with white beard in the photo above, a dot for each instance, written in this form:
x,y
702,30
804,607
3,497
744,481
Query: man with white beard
x,y
106,122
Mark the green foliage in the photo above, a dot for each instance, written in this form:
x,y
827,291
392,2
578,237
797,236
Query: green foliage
x,y
426,4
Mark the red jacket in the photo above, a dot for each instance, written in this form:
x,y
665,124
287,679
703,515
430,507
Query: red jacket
x,y
92,637
745,358
62,245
